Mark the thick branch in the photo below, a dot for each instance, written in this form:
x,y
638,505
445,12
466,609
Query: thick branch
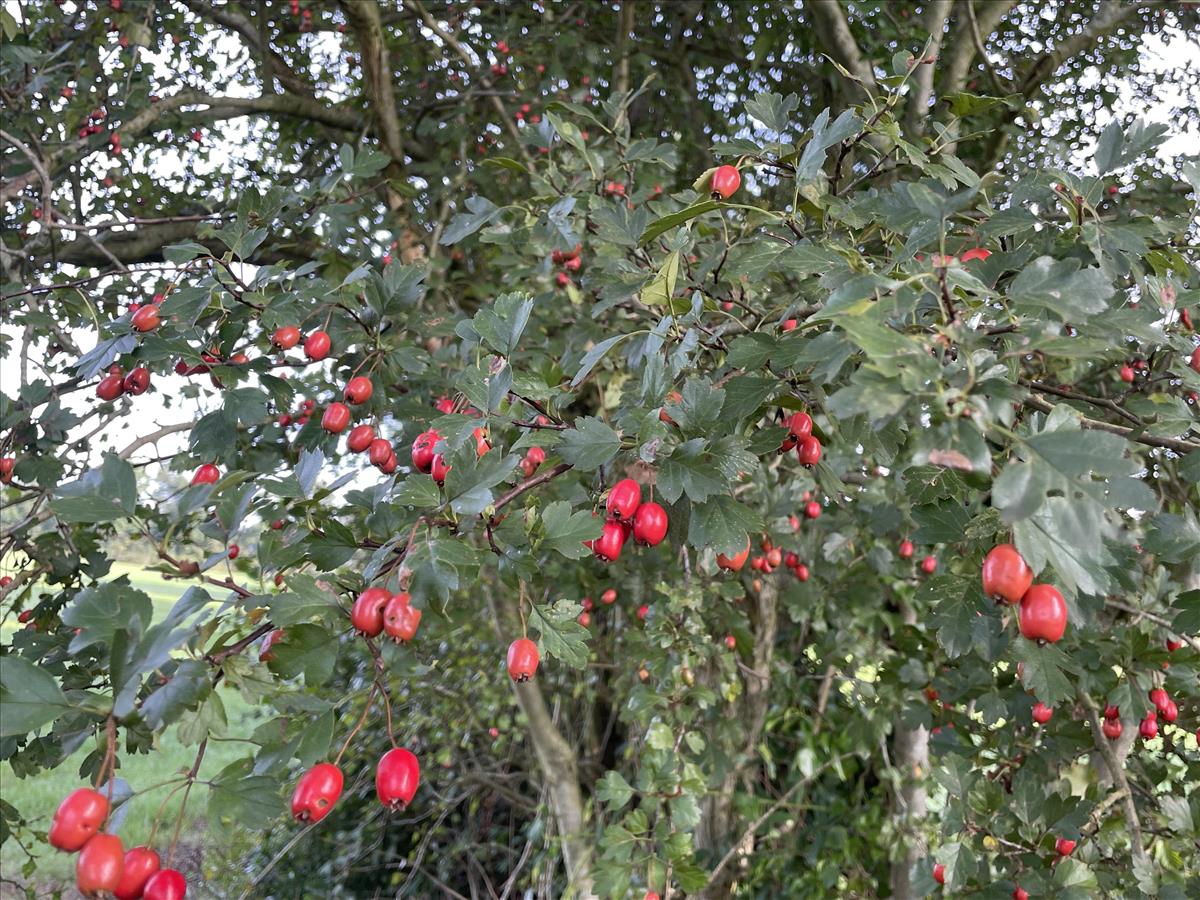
x,y
961,49
935,19
829,20
1176,444
1117,770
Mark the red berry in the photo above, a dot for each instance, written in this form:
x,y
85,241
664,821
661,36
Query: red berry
x,y
730,642
1159,698
1111,728
99,866
1112,712
146,319
608,546
649,524
396,778
725,181
609,597
422,450
1149,726
799,426
1173,644
265,654
584,619
1042,713
623,499
812,509
286,338
110,387
736,562
1170,712
1194,362
7,464
1006,576
379,450
166,884
1019,893
522,659
439,469
801,572
1127,374
929,565
316,792
206,474
360,438
642,612
482,446
1064,846
939,873
336,418
401,619
140,864
359,389
906,549
367,613
316,346
77,818
234,550
1043,614
975,253
138,381
809,451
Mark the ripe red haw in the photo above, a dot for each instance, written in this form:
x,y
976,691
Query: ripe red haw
x,y
725,181
906,549
166,884
401,619
77,818
929,565
650,524
939,873
808,451
336,418
607,547
360,439
1111,728
286,338
110,387
1006,576
439,469
1042,713
317,346
137,382
99,865
422,450
522,659
359,389
736,562
1043,614
624,499
206,474
146,319
396,778
140,864
367,613
316,792
1064,846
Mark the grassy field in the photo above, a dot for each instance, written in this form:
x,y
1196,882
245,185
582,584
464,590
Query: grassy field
x,y
37,796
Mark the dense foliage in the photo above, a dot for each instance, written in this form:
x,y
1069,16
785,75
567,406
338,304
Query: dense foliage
x,y
508,218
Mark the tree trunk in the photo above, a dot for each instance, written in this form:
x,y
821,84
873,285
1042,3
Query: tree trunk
x,y
910,753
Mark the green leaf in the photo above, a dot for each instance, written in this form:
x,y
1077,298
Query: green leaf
x,y
471,478
305,649
750,351
954,605
589,445
614,790
1076,452
594,356
188,685
1061,288
308,467
302,602
699,410
418,490
1044,671
661,288
560,636
722,524
666,223
566,531
239,797
1019,490
746,393
825,136
689,471
480,212
660,737
773,110
502,324
940,523
29,697
97,612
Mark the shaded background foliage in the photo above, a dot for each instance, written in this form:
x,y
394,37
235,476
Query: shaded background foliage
x,y
372,167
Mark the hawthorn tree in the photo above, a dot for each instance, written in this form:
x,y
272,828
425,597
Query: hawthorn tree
x,y
656,493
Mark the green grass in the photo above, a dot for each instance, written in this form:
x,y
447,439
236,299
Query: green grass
x,y
37,796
